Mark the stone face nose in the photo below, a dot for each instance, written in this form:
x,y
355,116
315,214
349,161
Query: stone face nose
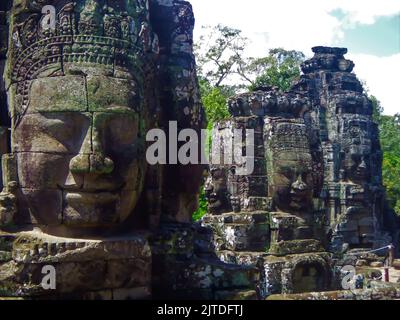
x,y
80,164
101,164
299,185
363,165
91,158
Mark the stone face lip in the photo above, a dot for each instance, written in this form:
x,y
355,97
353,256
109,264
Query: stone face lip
x,y
329,50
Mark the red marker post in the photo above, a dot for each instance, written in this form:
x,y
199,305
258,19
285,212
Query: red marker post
x,y
386,274
391,255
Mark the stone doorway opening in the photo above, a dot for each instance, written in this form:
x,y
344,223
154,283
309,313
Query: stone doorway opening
x,y
309,277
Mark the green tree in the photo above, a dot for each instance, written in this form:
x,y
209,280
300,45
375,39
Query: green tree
x,y
215,102
219,52
221,60
391,179
389,129
390,141
377,109
281,68
203,207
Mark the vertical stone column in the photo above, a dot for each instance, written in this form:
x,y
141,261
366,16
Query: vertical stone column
x,y
173,21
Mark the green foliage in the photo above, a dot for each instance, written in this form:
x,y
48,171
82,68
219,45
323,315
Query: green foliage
x,y
377,109
391,179
281,68
390,134
219,53
202,210
215,102
389,129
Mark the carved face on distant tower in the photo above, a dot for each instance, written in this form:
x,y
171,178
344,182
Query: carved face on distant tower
x,y
357,165
289,165
79,118
216,191
356,158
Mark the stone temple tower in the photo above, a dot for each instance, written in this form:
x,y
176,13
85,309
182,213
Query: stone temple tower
x,y
316,190
341,116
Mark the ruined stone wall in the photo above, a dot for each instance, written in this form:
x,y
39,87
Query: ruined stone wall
x,y
389,292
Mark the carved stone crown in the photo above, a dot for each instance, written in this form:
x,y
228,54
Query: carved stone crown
x,y
330,59
269,102
91,34
287,134
110,34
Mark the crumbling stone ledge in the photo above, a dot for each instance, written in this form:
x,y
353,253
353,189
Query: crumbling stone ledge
x,y
379,291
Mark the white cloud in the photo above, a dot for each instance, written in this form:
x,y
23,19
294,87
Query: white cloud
x,y
381,75
366,11
291,23
287,23
300,25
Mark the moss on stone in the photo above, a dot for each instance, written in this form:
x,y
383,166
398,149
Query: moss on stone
x,y
295,247
5,256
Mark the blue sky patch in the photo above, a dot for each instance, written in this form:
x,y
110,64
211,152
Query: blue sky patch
x,y
380,39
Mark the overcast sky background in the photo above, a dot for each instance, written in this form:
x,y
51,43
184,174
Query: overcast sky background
x,y
370,29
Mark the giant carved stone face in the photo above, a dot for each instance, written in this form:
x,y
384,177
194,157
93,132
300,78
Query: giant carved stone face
x,y
289,166
357,165
356,142
78,101
79,150
216,191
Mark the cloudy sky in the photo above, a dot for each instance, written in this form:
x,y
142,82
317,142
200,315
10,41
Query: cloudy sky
x,y
370,29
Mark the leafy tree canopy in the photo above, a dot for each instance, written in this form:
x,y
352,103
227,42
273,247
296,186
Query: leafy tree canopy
x,y
389,129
